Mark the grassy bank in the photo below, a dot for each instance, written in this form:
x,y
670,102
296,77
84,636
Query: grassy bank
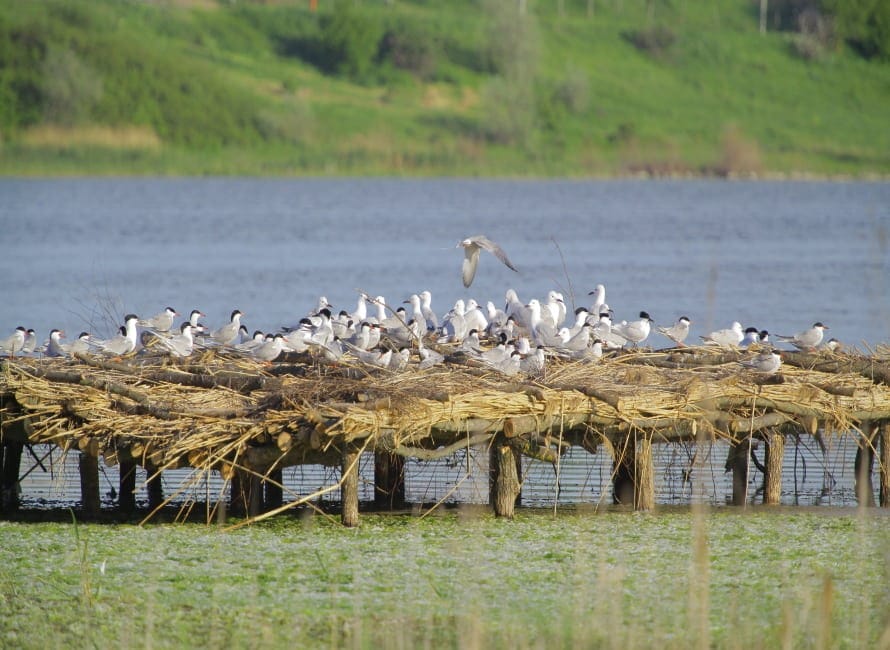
x,y
572,88
731,579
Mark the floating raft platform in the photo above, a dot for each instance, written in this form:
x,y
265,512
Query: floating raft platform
x,y
221,413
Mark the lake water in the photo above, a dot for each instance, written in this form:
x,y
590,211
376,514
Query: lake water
x,y
78,254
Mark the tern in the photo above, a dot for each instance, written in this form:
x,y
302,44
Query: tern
x,y
160,322
678,331
636,331
80,345
768,361
55,347
808,339
832,345
30,343
730,337
14,342
124,342
429,358
472,247
180,345
751,337
268,351
228,333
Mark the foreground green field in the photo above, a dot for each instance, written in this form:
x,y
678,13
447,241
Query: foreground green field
x,y
468,87
762,578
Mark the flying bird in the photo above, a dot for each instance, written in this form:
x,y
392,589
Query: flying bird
x,y
472,246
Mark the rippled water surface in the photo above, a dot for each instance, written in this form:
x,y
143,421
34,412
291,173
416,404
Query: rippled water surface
x,y
79,253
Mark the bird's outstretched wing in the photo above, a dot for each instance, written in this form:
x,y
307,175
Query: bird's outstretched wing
x,y
472,246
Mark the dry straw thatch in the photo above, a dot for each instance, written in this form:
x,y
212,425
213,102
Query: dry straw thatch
x,y
218,412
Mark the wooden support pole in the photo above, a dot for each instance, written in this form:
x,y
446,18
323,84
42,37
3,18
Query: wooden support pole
x,y
504,484
644,493
89,484
273,495
349,487
737,462
389,480
246,494
126,497
623,471
10,462
775,457
863,465
885,464
155,486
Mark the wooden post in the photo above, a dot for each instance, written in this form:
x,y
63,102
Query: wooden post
x,y
863,465
349,487
246,494
126,496
885,465
623,470
389,480
737,462
644,494
775,456
273,495
89,484
10,462
503,479
155,487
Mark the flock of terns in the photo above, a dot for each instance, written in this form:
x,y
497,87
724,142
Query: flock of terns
x,y
515,339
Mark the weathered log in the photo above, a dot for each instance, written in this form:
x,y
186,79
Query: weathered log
x,y
884,464
737,461
775,456
442,452
126,502
349,487
154,485
10,466
504,479
863,466
389,480
89,484
273,494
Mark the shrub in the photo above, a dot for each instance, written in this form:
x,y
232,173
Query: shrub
x,y
71,88
655,41
349,39
512,40
410,47
508,111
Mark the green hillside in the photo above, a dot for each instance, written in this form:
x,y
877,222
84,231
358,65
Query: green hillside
x,y
463,87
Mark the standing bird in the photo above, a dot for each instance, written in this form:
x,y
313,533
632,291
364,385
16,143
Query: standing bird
x,y
30,343
14,342
124,342
472,246
808,339
730,337
180,345
55,347
161,322
228,333
636,331
678,331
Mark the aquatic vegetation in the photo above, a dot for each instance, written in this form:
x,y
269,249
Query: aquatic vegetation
x,y
457,579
